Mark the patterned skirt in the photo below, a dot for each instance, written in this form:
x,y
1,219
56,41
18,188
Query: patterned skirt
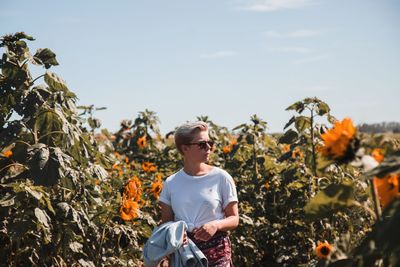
x,y
217,250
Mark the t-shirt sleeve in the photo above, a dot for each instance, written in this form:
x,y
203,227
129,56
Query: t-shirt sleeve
x,y
165,196
229,193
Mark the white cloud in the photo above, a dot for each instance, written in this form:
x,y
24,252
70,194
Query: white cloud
x,y
303,33
291,49
274,5
293,34
310,59
220,54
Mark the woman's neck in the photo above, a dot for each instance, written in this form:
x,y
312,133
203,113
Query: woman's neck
x,y
196,168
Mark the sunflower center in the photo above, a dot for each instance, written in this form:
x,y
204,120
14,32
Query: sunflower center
x,y
325,251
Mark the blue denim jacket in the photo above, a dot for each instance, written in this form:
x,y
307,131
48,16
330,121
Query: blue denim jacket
x,y
167,239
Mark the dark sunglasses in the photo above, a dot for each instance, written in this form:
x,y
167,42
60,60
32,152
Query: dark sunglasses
x,y
203,144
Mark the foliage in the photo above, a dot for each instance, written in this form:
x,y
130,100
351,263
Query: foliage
x,y
71,196
55,206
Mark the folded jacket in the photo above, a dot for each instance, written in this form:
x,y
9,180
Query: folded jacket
x,y
167,239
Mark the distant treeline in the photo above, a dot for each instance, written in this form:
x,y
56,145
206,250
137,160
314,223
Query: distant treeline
x,y
382,127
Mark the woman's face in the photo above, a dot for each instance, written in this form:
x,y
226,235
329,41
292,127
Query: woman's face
x,y
200,148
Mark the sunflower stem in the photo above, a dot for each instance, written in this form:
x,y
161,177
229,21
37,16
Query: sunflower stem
x,y
375,198
314,163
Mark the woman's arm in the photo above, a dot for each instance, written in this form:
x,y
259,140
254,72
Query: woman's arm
x,y
231,221
167,214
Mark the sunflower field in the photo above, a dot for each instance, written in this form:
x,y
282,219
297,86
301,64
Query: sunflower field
x,y
71,194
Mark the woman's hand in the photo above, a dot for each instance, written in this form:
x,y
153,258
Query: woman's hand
x,y
185,239
205,232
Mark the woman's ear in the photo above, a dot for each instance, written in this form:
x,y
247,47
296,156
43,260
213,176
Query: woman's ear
x,y
184,148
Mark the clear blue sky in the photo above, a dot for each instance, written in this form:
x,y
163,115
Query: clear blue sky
x,y
227,59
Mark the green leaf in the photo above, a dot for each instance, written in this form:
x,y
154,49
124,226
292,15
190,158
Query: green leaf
x,y
292,119
94,123
311,100
55,82
289,137
334,197
296,185
384,237
22,35
45,57
302,123
239,127
323,108
21,44
296,106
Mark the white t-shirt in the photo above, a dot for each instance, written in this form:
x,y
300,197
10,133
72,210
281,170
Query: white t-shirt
x,y
199,199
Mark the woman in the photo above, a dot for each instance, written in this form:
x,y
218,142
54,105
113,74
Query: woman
x,y
202,195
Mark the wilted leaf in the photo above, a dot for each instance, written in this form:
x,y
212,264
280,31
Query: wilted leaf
x,y
246,219
85,263
99,172
76,247
35,194
38,156
42,217
7,201
46,57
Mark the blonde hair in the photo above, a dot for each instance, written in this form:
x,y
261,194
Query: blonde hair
x,y
184,133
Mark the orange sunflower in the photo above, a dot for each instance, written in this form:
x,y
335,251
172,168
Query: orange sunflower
x,y
387,188
7,153
129,210
323,250
149,167
156,188
286,148
141,142
378,155
267,185
233,142
133,189
337,140
296,153
226,149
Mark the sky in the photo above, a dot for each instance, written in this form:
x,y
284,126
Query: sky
x,y
225,59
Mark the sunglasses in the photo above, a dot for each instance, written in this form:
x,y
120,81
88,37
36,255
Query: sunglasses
x,y
203,144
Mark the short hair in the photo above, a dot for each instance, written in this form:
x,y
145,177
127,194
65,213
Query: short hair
x,y
184,133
